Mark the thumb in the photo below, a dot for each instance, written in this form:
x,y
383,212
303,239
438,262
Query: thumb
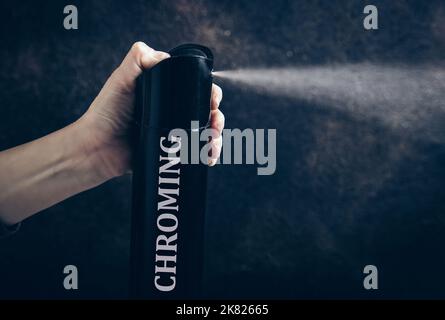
x,y
139,58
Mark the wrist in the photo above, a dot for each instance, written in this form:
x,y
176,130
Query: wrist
x,y
107,156
80,155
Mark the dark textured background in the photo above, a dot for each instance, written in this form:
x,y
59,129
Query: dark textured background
x,y
345,194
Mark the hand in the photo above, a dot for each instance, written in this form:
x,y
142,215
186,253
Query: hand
x,y
94,149
109,120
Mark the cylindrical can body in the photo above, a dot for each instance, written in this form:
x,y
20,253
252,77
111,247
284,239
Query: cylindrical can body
x,y
169,195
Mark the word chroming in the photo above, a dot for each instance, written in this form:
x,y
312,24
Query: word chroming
x,y
167,221
232,139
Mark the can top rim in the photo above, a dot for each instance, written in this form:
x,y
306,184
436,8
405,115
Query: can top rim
x,y
191,50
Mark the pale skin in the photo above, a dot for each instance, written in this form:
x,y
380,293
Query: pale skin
x,y
88,152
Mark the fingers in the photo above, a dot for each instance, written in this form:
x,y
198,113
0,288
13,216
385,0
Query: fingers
x,y
215,150
216,116
217,96
139,58
217,121
142,57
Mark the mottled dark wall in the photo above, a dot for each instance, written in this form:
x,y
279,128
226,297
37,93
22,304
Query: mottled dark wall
x,y
345,193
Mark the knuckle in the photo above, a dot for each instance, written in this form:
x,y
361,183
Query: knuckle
x,y
222,117
218,91
138,47
214,134
218,142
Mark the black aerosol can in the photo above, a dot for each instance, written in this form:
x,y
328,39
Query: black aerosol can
x,y
169,196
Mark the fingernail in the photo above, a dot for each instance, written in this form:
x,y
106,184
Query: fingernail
x,y
160,55
212,162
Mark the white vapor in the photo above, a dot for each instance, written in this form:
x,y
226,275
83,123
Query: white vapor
x,y
403,97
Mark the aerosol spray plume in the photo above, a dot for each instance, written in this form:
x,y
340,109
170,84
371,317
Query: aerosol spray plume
x,y
408,98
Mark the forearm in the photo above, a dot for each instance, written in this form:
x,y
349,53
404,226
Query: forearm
x,y
41,173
